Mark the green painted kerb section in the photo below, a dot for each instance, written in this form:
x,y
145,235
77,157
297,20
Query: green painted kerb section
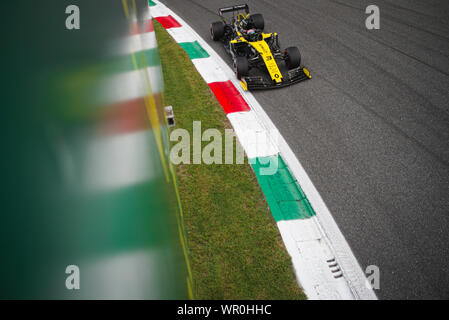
x,y
151,3
194,50
285,197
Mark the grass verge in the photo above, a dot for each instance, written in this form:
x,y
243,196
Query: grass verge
x,y
235,247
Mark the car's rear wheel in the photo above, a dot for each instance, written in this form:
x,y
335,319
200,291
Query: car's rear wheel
x,y
293,57
217,30
241,67
258,21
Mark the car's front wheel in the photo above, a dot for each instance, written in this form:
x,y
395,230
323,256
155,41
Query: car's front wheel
x,y
217,30
241,67
292,57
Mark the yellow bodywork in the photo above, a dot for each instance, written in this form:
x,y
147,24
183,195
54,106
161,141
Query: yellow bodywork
x,y
264,50
244,84
307,73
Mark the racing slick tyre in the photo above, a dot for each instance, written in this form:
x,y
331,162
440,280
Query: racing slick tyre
x,y
241,67
293,57
217,30
258,21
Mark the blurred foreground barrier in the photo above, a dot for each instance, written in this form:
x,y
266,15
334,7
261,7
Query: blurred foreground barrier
x,y
86,177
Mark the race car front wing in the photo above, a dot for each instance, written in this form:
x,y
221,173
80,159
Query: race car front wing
x,y
260,83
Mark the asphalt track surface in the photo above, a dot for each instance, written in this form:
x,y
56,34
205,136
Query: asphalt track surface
x,y
371,128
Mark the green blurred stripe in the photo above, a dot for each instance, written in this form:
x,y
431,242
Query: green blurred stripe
x,y
285,197
147,58
151,58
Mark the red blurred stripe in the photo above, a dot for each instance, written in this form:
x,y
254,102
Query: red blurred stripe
x,y
125,117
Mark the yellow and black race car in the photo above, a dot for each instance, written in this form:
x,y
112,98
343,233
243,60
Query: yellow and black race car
x,y
252,49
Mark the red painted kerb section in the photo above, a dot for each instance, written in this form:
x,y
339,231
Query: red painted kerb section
x,y
168,22
229,97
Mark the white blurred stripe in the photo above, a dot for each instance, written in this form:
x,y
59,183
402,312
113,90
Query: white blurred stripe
x,y
135,43
131,85
119,161
120,276
148,42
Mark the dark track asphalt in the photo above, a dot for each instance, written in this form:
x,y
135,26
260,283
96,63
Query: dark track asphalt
x,y
371,128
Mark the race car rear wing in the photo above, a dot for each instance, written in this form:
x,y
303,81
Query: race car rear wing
x,y
234,9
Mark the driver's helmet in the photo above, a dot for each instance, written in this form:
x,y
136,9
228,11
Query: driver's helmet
x,y
251,32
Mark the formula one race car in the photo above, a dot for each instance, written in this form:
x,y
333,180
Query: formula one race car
x,y
252,49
